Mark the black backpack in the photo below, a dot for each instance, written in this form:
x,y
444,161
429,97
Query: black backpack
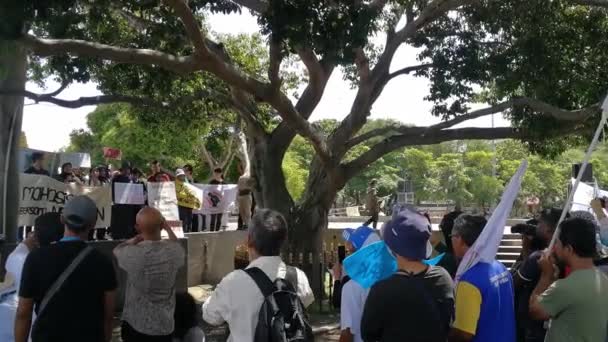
x,y
282,317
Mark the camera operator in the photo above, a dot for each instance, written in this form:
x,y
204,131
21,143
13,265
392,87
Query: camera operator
x,y
528,272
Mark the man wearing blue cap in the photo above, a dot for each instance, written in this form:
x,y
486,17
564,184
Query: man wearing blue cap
x,y
417,302
353,294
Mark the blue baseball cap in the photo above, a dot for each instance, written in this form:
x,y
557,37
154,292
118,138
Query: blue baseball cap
x,y
407,234
357,236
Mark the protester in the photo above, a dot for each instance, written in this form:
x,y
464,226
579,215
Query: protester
x,y
417,302
84,292
216,219
528,274
353,295
151,265
67,174
186,200
186,320
122,225
189,170
49,229
94,178
158,175
372,204
578,304
448,261
245,197
484,294
37,165
237,299
104,174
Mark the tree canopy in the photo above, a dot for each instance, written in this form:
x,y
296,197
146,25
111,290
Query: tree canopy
x,y
542,64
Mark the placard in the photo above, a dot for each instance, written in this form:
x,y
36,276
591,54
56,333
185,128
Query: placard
x,y
162,197
129,193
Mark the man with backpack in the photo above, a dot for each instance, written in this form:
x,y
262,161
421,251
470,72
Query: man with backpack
x,y
245,298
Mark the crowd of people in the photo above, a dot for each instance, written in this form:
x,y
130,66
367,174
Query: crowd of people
x,y
123,215
549,295
552,296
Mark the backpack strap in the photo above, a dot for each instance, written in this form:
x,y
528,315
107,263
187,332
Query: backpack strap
x,y
62,278
261,280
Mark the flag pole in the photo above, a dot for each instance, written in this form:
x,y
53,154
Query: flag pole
x,y
594,142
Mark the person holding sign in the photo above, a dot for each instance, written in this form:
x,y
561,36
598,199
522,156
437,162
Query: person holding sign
x,y
186,200
123,215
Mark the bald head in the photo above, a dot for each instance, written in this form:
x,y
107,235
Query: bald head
x,y
149,222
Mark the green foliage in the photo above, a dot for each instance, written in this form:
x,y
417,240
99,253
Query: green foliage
x,y
295,175
333,31
174,145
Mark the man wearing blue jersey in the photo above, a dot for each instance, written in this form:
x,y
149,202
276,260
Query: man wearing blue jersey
x,y
484,294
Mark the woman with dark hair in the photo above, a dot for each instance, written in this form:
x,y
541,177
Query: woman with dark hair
x,y
186,319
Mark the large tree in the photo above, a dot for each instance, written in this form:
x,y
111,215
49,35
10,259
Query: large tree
x,y
540,63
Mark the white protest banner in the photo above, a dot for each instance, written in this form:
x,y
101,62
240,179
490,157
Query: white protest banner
x,y
583,196
76,159
486,246
42,194
24,160
217,199
162,196
129,193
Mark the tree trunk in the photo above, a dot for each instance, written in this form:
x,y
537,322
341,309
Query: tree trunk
x,y
13,62
307,221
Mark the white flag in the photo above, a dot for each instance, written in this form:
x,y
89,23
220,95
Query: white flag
x,y
486,246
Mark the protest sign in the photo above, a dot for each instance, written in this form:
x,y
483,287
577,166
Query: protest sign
x,y
583,196
42,194
129,193
217,199
76,159
24,160
112,153
162,197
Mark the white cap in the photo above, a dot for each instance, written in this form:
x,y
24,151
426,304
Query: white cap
x,y
179,172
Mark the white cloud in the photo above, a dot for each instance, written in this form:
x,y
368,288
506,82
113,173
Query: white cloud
x,y
48,126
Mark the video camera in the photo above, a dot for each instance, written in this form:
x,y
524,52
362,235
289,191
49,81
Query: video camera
x,y
528,228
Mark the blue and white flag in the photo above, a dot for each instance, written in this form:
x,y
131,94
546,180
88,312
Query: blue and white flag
x,y
486,246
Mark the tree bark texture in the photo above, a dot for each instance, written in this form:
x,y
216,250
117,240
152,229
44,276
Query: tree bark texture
x,y
13,62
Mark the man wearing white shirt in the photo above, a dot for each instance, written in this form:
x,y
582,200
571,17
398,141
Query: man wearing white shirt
x,y
49,229
237,299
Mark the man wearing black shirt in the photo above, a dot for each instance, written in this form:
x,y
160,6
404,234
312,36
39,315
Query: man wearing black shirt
x,y
528,274
36,168
122,225
417,302
85,299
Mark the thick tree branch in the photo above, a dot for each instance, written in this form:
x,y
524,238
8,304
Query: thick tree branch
x,y
274,65
382,132
53,47
362,63
106,99
539,106
318,73
246,109
190,23
408,70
